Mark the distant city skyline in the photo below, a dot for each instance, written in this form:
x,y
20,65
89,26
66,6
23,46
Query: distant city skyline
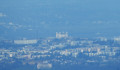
x,y
59,34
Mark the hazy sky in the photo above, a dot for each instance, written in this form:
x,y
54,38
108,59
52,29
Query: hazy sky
x,y
42,18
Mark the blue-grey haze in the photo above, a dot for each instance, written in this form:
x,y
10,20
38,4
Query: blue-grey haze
x,y
42,18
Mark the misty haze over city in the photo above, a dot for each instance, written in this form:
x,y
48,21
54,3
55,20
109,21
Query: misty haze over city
x,y
59,35
42,18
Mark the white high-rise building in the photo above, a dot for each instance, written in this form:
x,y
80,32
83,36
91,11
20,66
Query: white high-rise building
x,y
61,34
